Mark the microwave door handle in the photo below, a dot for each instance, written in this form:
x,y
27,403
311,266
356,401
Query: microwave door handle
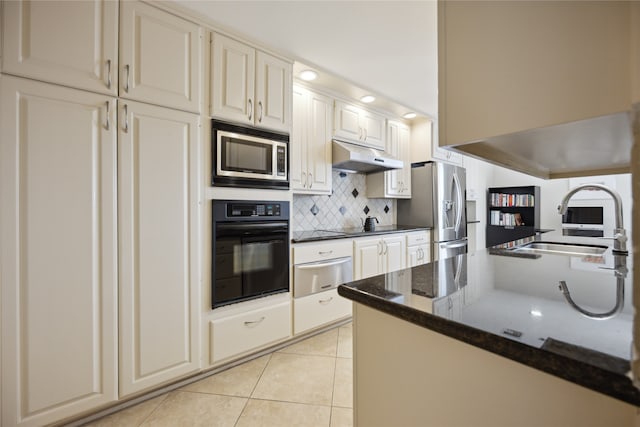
x,y
458,202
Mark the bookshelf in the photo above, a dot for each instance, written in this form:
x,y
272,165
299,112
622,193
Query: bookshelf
x,y
512,213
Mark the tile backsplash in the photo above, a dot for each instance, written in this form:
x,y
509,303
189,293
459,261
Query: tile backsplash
x,y
345,208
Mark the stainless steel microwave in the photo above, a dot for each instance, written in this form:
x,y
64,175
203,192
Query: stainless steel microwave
x,y
249,157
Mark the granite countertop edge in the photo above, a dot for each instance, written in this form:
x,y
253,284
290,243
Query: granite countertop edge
x,y
612,382
352,234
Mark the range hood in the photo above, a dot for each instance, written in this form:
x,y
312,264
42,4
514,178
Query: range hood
x,y
354,158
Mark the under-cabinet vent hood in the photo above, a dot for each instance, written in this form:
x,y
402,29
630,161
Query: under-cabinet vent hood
x,y
354,158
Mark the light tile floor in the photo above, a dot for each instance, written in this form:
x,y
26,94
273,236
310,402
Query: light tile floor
x,y
309,383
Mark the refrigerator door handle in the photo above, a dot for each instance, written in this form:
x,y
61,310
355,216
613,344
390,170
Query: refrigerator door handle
x,y
458,203
454,245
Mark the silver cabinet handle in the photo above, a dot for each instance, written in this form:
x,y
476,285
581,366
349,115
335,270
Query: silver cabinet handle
x,y
250,109
325,301
365,134
252,323
379,244
260,118
322,264
126,81
360,133
108,74
304,179
310,180
386,247
325,252
126,118
107,124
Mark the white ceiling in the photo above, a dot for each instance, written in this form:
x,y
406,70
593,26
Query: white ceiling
x,y
387,47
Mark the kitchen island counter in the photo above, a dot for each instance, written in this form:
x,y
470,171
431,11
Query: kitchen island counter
x,y
509,303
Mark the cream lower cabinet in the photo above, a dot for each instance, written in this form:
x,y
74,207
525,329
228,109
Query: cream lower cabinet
x,y
418,248
158,245
58,251
310,148
66,42
378,255
160,57
245,332
319,309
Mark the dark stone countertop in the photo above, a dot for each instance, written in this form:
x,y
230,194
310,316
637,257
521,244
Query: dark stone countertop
x,y
510,304
319,235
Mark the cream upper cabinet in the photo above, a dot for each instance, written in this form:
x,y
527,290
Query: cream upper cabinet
x,y
310,147
66,42
249,86
359,125
424,144
394,183
158,236
377,255
58,251
159,57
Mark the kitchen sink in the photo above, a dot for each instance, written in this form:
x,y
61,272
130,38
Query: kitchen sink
x,y
571,249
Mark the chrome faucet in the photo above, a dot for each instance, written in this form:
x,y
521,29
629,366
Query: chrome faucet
x,y
619,233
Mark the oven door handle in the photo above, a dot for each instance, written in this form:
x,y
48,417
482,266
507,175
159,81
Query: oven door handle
x,y
254,228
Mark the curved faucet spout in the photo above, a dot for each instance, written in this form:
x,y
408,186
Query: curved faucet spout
x,y
619,233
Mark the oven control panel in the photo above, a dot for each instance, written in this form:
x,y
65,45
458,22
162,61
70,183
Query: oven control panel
x,y
253,209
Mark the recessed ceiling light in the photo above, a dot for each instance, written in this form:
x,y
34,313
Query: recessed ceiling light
x,y
308,75
410,116
536,313
368,98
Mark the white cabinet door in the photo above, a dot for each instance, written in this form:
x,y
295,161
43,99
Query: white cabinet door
x,y
360,125
393,253
160,57
347,121
319,309
311,142
158,235
374,126
367,258
249,86
298,150
233,79
66,42
395,183
273,92
58,251
417,255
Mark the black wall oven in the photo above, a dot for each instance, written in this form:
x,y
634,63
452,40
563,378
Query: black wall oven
x,y
250,250
249,157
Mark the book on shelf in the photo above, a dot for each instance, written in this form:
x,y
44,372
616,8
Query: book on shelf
x,y
512,200
505,219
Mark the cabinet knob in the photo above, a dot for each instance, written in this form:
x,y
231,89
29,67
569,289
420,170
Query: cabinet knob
x,y
250,109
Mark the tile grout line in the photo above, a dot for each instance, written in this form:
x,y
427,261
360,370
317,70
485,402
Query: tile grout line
x,y
166,396
253,389
335,369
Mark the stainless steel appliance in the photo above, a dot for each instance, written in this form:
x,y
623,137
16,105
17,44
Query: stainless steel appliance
x,y
438,201
250,253
354,158
314,277
249,157
583,221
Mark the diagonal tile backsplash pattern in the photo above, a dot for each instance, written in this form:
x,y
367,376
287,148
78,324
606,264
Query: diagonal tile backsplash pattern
x,y
345,208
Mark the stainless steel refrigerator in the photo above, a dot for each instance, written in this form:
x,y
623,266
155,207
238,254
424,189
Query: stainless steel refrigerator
x,y
438,201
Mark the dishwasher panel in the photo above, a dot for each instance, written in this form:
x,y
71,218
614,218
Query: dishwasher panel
x,y
320,276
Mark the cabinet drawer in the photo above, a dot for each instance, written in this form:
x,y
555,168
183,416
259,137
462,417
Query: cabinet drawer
x,y
248,331
318,309
418,238
320,251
